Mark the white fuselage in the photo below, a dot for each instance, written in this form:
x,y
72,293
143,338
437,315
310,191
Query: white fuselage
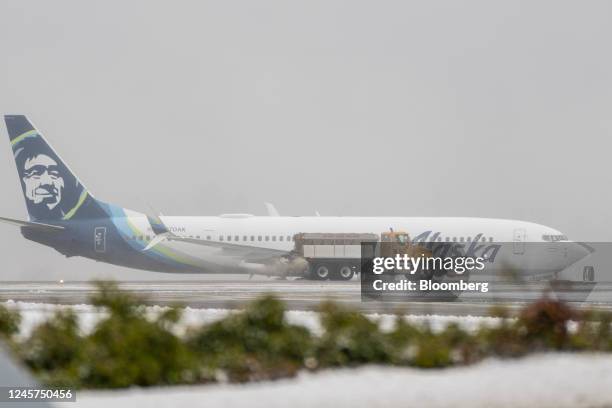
x,y
275,233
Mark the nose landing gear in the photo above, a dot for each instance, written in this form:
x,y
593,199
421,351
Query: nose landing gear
x,y
588,274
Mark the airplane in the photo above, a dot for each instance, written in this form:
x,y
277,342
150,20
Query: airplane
x,y
65,215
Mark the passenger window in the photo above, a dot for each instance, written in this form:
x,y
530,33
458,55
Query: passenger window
x,y
220,237
469,239
229,237
281,238
447,239
208,237
267,237
490,239
259,238
244,238
237,238
274,238
252,237
461,239
484,239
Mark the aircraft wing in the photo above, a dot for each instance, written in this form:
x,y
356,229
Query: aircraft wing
x,y
228,246
29,224
246,252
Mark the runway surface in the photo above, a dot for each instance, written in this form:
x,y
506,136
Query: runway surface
x,y
225,292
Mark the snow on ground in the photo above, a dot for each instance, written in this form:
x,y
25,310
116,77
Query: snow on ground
x,y
34,314
548,380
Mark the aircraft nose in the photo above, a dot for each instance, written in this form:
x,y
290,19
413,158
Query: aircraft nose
x,y
576,251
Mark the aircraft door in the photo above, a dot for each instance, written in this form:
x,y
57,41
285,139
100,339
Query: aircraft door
x,y
519,241
100,239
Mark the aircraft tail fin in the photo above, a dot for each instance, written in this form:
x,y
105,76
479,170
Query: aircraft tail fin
x,y
52,191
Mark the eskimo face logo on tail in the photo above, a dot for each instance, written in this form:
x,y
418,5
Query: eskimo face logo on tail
x,y
43,183
49,188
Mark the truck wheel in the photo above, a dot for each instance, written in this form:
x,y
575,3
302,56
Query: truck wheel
x,y
321,272
343,273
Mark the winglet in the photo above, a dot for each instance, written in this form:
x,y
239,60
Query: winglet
x,y
158,239
157,225
162,232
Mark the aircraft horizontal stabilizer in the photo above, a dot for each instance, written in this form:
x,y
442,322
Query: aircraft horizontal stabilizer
x,y
29,224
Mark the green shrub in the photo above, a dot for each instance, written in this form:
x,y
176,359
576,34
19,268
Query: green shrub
x,y
602,340
544,324
402,341
466,348
503,340
128,349
55,350
117,302
254,344
350,338
593,332
432,352
9,322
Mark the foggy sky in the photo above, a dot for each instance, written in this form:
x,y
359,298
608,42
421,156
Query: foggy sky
x,y
471,108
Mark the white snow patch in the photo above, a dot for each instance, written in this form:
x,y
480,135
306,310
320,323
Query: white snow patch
x,y
547,380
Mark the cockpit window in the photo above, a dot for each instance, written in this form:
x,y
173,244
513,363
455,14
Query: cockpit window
x,y
554,238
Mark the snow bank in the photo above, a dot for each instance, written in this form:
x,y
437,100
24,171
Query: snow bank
x,y
549,380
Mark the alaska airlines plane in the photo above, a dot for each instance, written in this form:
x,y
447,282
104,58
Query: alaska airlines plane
x,y
64,215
